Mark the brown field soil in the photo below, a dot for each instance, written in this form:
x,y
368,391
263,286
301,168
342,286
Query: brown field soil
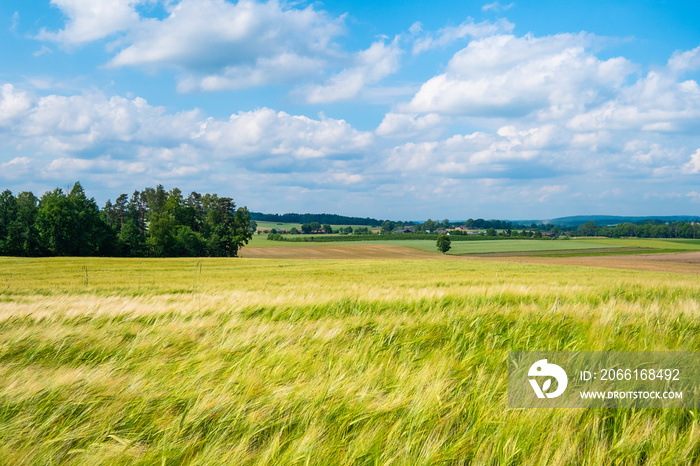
x,y
677,262
682,262
351,251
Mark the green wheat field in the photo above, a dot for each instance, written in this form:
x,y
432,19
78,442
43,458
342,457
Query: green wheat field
x,y
333,362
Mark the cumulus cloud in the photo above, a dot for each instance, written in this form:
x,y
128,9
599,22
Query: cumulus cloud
x,y
450,34
16,167
92,20
477,154
371,66
265,131
401,125
685,61
13,104
656,103
225,45
96,134
504,75
693,166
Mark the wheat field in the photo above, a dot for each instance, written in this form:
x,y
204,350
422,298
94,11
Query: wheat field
x,y
352,362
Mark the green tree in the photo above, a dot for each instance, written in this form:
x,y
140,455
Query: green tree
x,y
23,236
188,243
443,243
327,228
8,214
430,225
587,229
161,234
130,240
491,232
70,224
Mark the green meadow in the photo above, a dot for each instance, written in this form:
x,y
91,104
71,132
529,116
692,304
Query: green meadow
x,y
351,362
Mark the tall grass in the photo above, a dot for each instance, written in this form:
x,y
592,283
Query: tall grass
x,y
258,362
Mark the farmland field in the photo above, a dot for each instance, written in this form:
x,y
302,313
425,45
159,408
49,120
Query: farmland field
x,y
262,225
254,361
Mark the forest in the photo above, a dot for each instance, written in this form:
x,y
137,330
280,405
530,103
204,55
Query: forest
x,y
149,223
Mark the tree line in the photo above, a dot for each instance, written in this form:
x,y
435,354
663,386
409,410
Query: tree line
x,y
330,219
646,229
149,223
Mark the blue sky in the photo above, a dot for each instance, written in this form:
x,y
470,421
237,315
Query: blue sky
x,y
401,110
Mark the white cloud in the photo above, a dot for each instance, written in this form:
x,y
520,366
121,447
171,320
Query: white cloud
x,y
71,123
509,76
495,6
265,131
401,125
118,140
450,34
371,66
92,20
15,168
42,51
693,166
474,155
225,45
657,102
13,104
15,21
685,61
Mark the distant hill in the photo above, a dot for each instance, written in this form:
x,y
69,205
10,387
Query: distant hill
x,y
605,220
331,219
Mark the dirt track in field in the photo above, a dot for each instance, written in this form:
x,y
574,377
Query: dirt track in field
x,y
682,262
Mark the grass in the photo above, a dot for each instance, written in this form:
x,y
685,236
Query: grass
x,y
581,246
252,362
521,245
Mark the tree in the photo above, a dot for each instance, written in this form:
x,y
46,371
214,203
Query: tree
x,y
70,224
430,225
491,232
130,240
443,243
8,213
587,229
327,228
23,237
